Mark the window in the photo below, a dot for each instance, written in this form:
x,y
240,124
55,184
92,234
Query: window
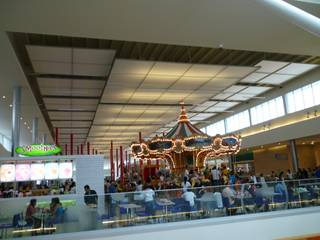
x,y
216,128
267,111
204,130
238,121
302,98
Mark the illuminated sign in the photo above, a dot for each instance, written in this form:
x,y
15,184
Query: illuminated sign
x,y
38,150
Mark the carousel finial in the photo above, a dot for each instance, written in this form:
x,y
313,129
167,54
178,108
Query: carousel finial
x,y
183,115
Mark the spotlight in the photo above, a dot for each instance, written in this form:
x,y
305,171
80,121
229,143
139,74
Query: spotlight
x,y
25,123
10,105
3,97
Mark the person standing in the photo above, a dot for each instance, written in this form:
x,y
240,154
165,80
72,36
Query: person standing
x,y
90,196
215,176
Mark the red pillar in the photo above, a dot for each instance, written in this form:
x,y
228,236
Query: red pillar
x,y
128,163
57,137
121,165
71,144
96,152
81,149
78,151
117,162
66,149
135,164
111,161
157,164
141,165
92,151
149,167
88,148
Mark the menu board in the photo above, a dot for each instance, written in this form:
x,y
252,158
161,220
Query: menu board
x,y
65,170
37,171
22,172
51,171
7,173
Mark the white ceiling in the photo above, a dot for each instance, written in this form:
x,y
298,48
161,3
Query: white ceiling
x,y
243,25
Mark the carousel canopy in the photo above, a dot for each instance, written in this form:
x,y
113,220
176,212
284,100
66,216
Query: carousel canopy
x,y
184,128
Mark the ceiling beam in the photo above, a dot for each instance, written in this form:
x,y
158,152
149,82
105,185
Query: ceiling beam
x,y
71,110
67,76
146,104
127,125
71,97
69,120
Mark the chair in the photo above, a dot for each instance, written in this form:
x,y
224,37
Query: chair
x,y
4,229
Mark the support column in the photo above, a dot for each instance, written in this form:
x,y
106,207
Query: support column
x,y
117,162
121,165
81,149
35,130
16,112
88,148
71,144
44,138
57,137
111,161
294,156
66,149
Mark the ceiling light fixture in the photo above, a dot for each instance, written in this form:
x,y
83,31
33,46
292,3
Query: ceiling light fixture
x,y
3,97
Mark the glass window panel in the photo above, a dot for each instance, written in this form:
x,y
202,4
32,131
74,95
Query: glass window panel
x,y
316,92
290,102
298,99
307,96
238,121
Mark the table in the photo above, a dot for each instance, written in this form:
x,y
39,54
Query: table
x,y
129,207
165,203
42,216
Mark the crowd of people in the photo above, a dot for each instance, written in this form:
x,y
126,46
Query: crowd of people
x,y
30,189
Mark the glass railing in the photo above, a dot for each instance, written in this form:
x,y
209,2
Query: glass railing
x,y
77,213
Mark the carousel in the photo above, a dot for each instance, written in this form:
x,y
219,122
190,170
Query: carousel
x,y
184,145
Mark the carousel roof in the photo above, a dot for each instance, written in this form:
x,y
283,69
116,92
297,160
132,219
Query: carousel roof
x,y
184,128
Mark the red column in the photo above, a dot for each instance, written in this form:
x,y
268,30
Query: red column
x,y
88,148
71,144
92,151
117,162
128,163
157,164
81,149
57,137
135,164
78,152
96,152
66,149
141,165
111,161
121,165
149,167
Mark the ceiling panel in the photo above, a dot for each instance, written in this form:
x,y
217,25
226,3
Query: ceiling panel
x,y
90,69
297,68
125,80
270,66
93,56
71,115
254,77
255,90
190,83
159,81
169,69
222,96
277,79
52,54
71,92
219,83
203,70
69,83
221,106
52,67
131,66
70,124
240,97
202,116
235,72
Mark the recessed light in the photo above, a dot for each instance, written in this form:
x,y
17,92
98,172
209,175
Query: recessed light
x,y
21,118
28,127
3,97
25,123
312,142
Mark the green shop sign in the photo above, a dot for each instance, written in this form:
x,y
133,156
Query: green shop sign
x,y
38,150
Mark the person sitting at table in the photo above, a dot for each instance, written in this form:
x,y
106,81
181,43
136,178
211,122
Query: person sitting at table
x,y
56,211
31,210
149,195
